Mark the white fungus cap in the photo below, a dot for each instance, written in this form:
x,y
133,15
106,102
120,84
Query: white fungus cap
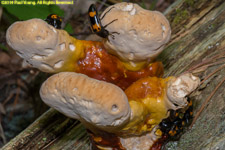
x,y
40,44
179,87
142,33
94,102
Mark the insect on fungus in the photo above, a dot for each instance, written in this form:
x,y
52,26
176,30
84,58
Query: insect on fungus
x,y
54,20
96,24
173,125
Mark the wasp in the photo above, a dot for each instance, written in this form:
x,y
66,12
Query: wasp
x,y
173,125
54,20
96,24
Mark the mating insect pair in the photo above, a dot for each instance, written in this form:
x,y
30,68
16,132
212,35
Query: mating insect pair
x,y
95,22
174,125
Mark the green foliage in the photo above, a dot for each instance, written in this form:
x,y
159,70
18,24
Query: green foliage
x,y
180,16
16,12
190,2
142,4
69,28
4,48
153,4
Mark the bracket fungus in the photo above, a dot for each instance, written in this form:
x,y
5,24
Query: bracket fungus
x,y
104,107
179,88
110,86
91,101
141,34
53,50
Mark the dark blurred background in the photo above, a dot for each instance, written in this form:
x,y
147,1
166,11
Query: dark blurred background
x,y
20,103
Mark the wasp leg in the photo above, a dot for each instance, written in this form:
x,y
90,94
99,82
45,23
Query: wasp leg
x,y
110,23
113,37
111,34
106,13
114,33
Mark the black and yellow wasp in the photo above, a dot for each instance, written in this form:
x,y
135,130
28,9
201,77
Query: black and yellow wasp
x,y
54,20
96,24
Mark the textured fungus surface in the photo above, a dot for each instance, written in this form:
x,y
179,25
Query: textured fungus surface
x,y
143,113
146,31
104,107
202,37
70,54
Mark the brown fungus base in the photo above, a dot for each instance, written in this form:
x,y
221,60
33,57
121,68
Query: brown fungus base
x,y
105,140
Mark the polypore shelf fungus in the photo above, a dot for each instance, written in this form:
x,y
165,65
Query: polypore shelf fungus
x,y
133,115
146,31
113,87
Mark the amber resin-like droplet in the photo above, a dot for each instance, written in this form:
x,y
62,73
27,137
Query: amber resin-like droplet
x,y
99,64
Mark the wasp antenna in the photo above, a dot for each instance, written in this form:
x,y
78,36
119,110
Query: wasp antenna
x,y
106,13
110,23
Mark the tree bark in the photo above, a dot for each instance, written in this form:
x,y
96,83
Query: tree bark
x,y
198,33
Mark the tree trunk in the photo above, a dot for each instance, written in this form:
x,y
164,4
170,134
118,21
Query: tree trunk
x,y
198,33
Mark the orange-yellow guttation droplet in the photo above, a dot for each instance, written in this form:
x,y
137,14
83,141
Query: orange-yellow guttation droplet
x,y
125,75
158,132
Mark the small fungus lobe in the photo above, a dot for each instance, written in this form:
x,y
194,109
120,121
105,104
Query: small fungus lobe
x,y
129,7
37,57
133,11
59,64
72,47
46,66
62,46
